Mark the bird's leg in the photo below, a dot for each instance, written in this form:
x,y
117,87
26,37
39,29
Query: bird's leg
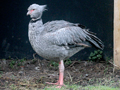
x,y
60,82
61,72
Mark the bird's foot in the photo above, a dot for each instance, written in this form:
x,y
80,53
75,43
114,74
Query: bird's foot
x,y
59,85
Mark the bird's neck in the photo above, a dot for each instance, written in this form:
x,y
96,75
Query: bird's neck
x,y
37,22
35,25
35,29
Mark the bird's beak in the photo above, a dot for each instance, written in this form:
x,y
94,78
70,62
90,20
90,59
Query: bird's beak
x,y
28,13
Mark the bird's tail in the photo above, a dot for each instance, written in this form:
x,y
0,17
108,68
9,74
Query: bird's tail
x,y
93,39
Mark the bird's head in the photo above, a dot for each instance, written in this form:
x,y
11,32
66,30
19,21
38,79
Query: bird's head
x,y
35,11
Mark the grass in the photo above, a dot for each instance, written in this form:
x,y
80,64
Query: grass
x,y
102,84
67,87
76,87
100,88
13,87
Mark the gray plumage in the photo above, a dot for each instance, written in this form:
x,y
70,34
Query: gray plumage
x,y
58,39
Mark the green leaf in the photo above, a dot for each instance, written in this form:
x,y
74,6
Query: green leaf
x,y
94,58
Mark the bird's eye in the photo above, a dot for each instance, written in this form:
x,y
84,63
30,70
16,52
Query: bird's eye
x,y
32,10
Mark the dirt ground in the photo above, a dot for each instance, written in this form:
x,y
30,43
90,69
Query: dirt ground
x,y
35,73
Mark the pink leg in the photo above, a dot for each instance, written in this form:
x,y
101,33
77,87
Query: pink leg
x,y
60,82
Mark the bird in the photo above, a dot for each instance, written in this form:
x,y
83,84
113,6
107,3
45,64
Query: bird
x,y
59,39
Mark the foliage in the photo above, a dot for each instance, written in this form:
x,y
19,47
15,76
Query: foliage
x,y
20,62
67,62
97,55
108,59
12,63
13,87
1,72
53,64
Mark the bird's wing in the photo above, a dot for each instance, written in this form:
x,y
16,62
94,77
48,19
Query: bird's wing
x,y
58,24
71,35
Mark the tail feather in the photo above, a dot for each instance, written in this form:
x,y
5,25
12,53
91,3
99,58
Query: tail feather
x,y
94,40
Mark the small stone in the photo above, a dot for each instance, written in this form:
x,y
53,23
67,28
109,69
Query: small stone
x,y
85,64
86,75
6,81
37,68
21,73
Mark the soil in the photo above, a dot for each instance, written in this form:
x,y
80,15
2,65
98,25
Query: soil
x,y
35,73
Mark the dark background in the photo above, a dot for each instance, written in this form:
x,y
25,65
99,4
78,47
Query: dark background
x,y
97,15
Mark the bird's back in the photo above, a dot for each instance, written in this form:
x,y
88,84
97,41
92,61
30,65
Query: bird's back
x,y
65,33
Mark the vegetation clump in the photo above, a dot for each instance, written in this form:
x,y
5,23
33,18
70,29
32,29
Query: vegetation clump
x,y
96,56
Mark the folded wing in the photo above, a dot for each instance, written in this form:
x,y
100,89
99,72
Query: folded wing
x,y
63,33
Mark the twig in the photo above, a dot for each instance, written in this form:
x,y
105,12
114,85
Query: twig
x,y
69,76
77,81
39,63
72,64
113,65
34,56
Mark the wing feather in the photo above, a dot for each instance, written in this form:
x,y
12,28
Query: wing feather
x,y
67,34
